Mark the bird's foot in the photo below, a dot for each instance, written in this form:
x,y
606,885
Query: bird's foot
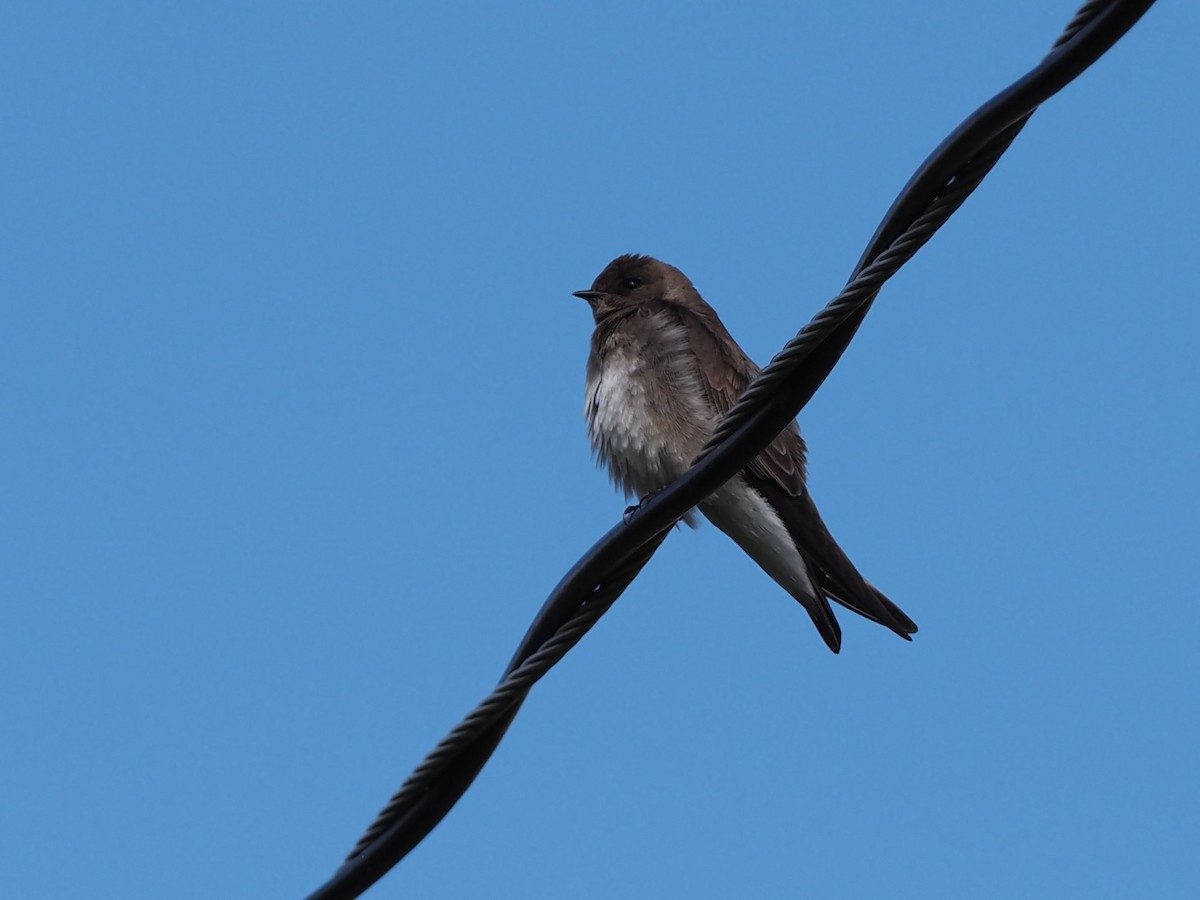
x,y
631,511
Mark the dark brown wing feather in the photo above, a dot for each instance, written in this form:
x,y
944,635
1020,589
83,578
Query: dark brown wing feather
x,y
778,474
725,371
834,572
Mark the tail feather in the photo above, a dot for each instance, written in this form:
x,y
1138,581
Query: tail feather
x,y
907,625
827,624
832,570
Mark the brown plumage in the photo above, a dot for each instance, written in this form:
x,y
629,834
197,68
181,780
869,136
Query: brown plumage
x,y
662,371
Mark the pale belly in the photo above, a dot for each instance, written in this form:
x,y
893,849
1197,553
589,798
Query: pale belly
x,y
645,441
645,450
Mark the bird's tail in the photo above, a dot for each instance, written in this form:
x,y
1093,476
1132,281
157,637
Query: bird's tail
x,y
830,568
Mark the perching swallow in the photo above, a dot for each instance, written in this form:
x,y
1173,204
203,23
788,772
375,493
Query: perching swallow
x,y
661,373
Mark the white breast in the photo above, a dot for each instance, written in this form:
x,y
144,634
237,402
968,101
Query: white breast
x,y
617,406
636,426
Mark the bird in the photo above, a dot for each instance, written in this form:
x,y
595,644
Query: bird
x,y
662,371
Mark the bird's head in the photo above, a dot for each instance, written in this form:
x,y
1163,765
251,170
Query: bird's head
x,y
633,282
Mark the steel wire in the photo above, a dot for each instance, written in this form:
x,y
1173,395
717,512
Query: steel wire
x,y
938,188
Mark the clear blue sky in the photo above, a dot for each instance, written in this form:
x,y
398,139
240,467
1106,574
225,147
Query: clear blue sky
x,y
291,411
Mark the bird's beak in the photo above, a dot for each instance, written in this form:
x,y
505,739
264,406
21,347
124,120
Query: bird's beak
x,y
589,296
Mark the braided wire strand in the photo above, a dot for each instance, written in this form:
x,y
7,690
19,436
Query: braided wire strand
x,y
596,581
861,290
1082,16
511,690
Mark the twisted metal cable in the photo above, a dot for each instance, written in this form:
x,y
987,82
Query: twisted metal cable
x,y
511,691
1082,16
589,589
433,788
771,385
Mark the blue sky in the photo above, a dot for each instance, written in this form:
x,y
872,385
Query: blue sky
x,y
293,451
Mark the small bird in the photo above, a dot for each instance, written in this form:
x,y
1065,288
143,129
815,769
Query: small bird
x,y
662,371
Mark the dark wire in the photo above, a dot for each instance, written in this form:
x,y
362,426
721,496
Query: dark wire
x,y
939,187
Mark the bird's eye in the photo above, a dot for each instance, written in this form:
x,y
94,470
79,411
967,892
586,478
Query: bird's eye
x,y
630,283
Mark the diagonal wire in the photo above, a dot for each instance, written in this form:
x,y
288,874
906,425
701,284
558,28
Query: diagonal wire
x,y
427,795
588,590
858,294
513,688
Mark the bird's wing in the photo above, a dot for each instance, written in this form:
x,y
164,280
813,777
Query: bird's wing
x,y
778,474
724,373
835,574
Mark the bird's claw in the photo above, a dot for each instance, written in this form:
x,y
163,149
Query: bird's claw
x,y
631,511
